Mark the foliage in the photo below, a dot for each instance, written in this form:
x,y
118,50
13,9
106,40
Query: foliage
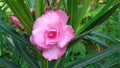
x,y
96,25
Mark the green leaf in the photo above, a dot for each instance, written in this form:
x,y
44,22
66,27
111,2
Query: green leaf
x,y
51,64
53,2
10,41
60,4
78,46
24,65
19,11
83,11
99,18
7,64
72,6
104,36
1,38
1,43
31,3
39,8
22,50
2,6
65,3
98,41
14,34
96,57
110,63
5,8
26,8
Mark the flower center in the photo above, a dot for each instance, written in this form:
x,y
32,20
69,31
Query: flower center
x,y
52,34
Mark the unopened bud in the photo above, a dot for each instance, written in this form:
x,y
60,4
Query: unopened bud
x,y
15,21
32,11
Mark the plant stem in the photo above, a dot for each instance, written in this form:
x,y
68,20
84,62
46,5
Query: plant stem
x,y
45,63
57,63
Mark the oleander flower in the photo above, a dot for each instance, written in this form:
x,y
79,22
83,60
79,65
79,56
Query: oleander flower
x,y
51,34
15,21
32,11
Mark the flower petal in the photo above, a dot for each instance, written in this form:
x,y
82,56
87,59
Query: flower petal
x,y
15,21
32,40
63,16
68,35
39,39
52,18
53,53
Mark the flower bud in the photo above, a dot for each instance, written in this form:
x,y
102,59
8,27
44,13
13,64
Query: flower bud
x,y
15,21
32,11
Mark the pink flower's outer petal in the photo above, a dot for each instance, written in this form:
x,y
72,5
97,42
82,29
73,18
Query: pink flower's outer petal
x,y
63,16
68,35
52,18
32,40
15,21
53,53
39,39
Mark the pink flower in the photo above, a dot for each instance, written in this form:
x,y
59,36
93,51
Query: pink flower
x,y
32,11
51,34
15,21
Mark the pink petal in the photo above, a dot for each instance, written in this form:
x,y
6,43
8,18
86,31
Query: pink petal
x,y
38,39
32,40
34,43
68,36
15,21
53,53
54,40
63,16
52,18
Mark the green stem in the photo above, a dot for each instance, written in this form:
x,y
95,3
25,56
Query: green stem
x,y
44,62
57,63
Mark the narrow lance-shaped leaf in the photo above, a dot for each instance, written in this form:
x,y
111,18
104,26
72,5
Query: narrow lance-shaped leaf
x,y
109,63
1,43
7,64
98,19
96,57
53,2
98,41
31,3
102,18
104,36
81,15
25,55
2,6
21,15
26,8
13,33
72,6
39,8
97,22
65,3
1,38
